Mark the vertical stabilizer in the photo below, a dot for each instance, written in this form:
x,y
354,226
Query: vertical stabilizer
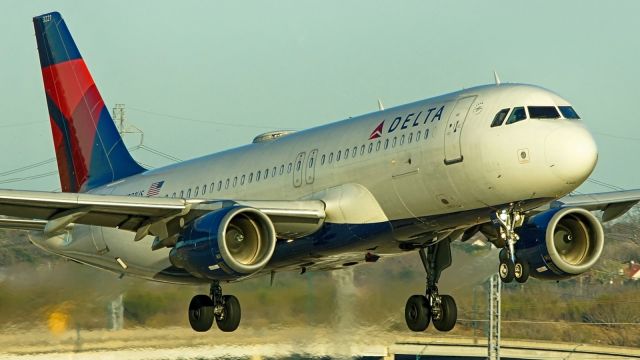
x,y
89,149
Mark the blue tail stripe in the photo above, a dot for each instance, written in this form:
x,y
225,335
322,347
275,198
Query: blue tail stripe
x,y
55,44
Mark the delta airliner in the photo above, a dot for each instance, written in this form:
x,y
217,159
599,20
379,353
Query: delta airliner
x,y
498,159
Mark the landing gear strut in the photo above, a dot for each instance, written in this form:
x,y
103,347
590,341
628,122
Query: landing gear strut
x,y
440,309
225,309
510,268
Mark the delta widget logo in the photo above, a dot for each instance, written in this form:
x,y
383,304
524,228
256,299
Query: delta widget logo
x,y
377,132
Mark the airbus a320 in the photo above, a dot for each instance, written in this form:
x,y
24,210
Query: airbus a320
x,y
498,159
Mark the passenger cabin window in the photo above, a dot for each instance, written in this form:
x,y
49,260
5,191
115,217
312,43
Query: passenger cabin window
x,y
330,158
204,189
499,118
518,114
258,176
281,169
568,112
219,185
543,112
378,145
212,186
289,168
182,194
242,179
226,184
250,178
322,159
197,191
189,193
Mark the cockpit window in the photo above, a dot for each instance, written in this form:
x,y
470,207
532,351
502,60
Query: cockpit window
x,y
517,114
500,116
568,112
543,112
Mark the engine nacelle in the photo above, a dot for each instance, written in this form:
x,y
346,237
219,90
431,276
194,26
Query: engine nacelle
x,y
225,244
560,243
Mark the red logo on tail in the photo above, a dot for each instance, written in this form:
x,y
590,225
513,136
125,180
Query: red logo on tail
x,y
377,132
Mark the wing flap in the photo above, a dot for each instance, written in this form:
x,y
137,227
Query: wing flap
x,y
149,216
22,224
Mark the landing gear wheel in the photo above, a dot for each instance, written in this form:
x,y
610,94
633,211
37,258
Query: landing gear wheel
x,y
201,313
448,314
229,319
417,313
521,271
506,270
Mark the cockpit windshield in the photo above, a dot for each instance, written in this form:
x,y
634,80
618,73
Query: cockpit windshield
x,y
518,114
543,112
568,112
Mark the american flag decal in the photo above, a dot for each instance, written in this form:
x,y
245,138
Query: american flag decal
x,y
154,189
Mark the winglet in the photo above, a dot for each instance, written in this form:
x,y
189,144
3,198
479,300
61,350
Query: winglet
x,y
496,77
380,106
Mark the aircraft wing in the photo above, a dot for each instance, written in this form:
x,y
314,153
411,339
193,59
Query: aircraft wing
x,y
612,204
53,212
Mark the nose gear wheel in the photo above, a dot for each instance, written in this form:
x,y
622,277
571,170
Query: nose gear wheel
x,y
510,268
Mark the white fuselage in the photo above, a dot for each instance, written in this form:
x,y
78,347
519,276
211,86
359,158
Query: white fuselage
x,y
414,162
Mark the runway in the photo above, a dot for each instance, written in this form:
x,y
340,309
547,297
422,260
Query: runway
x,y
273,343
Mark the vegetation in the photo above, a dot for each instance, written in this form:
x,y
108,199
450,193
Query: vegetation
x,y
598,307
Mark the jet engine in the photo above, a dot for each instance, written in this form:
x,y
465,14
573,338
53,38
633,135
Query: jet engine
x,y
225,244
560,243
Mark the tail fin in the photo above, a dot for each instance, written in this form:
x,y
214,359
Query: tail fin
x,y
89,149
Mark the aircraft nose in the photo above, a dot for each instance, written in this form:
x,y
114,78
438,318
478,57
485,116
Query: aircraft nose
x,y
571,153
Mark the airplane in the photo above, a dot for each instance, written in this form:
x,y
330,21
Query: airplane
x,y
498,159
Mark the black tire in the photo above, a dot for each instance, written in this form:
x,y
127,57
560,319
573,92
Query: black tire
x,y
416,313
201,313
506,270
449,315
230,318
521,271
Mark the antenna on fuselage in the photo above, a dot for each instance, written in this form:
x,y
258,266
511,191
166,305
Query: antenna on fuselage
x,y
380,106
496,77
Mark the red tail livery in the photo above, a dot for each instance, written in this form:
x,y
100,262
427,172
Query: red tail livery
x,y
89,150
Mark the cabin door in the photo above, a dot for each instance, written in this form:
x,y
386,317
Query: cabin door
x,y
453,130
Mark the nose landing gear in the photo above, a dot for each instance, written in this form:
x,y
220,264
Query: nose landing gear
x,y
510,268
440,309
225,309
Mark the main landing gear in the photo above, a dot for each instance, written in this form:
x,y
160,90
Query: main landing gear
x,y
225,309
441,309
510,267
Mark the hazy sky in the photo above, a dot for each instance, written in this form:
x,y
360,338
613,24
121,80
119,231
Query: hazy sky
x,y
186,68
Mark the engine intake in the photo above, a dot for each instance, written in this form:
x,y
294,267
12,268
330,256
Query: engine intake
x,y
225,244
560,243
